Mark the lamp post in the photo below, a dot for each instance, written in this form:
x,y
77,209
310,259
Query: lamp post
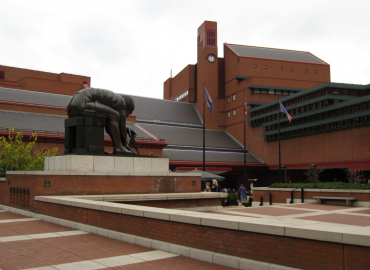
x,y
314,166
284,167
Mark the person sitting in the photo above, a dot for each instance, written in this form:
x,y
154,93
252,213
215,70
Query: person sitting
x,y
104,103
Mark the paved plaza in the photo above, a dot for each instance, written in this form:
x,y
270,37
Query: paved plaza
x,y
30,243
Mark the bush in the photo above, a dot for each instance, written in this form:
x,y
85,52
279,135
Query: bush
x,y
15,155
232,197
322,185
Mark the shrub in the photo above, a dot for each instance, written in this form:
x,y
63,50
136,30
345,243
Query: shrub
x,y
15,155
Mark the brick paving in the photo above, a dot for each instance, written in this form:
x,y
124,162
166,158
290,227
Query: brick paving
x,y
30,227
176,263
271,211
356,220
364,211
314,206
9,215
84,248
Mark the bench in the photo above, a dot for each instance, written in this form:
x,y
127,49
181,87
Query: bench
x,y
348,200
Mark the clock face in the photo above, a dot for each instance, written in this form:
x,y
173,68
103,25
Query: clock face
x,y
211,58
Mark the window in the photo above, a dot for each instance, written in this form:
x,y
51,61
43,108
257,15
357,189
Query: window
x,y
271,91
278,92
234,97
234,112
2,75
228,100
256,91
264,91
228,114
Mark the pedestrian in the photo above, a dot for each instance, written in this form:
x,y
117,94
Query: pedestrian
x,y
208,188
214,187
242,192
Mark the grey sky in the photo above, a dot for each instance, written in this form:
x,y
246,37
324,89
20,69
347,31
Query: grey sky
x,y
131,46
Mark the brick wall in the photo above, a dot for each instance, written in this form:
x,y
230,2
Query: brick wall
x,y
96,185
178,203
279,196
288,251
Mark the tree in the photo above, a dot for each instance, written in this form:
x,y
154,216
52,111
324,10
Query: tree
x,y
354,176
15,155
310,175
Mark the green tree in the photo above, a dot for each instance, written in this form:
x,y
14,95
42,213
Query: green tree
x,y
15,155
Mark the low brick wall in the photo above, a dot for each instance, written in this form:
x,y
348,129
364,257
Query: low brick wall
x,y
280,195
90,184
265,247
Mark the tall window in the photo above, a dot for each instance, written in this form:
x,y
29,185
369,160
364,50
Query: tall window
x,y
2,75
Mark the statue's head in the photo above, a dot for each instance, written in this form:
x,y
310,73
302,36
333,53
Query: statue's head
x,y
130,105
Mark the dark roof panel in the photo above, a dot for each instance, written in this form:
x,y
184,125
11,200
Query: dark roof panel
x,y
211,156
186,136
32,121
32,97
165,110
42,123
145,108
278,54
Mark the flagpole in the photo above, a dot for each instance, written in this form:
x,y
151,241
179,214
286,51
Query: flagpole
x,y
245,149
279,109
204,128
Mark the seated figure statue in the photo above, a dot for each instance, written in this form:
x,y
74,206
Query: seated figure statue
x,y
104,103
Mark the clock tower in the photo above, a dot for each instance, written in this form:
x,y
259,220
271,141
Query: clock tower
x,y
207,71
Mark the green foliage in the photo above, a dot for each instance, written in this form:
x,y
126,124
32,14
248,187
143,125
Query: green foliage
x,y
232,197
322,185
15,155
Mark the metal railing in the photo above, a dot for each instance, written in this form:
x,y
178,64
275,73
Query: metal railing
x,y
270,198
292,195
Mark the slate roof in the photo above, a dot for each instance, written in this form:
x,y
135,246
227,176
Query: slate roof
x,y
185,136
211,156
145,108
278,54
32,97
42,123
165,110
176,122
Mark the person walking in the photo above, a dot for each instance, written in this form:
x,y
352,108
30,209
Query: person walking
x,y
242,192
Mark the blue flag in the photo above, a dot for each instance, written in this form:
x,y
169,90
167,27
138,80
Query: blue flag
x,y
282,109
209,101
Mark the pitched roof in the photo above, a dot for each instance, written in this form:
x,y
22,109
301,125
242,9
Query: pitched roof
x,y
145,108
277,54
45,123
211,156
186,136
165,110
32,97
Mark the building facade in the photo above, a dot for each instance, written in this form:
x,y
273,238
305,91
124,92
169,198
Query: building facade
x,y
330,126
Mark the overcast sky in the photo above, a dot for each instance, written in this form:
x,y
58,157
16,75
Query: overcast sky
x,y
131,46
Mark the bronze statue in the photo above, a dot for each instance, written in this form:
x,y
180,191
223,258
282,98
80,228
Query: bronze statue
x,y
104,103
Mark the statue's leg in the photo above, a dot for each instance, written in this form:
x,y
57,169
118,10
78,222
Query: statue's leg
x,y
112,126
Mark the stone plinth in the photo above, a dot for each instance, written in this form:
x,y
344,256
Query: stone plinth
x,y
106,164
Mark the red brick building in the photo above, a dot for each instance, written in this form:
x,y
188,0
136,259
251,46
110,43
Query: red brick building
x,y
330,126
330,123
